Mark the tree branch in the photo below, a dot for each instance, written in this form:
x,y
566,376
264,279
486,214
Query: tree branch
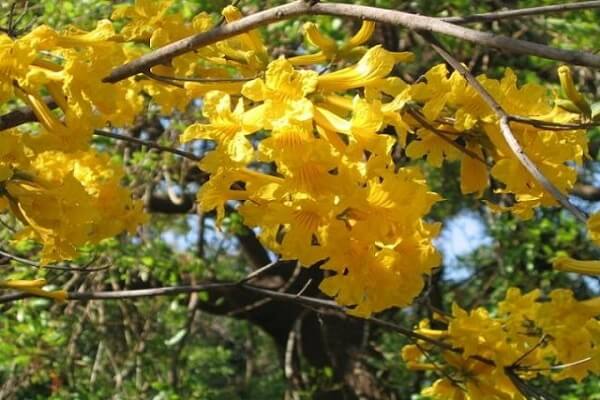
x,y
300,7
586,192
306,301
148,143
22,115
524,12
303,7
505,129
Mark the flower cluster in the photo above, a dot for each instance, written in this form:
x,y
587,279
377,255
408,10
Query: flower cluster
x,y
315,150
320,186
493,355
64,200
455,112
310,158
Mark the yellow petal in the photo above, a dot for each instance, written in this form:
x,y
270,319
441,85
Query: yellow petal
x,y
566,82
251,39
473,173
364,33
5,172
331,121
593,225
375,64
326,44
308,59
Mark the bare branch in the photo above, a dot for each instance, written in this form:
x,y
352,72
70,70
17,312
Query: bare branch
x,y
524,12
170,79
313,303
586,192
22,115
301,7
34,264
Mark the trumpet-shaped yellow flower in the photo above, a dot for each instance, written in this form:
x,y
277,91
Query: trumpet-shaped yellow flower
x,y
147,20
250,40
435,146
329,49
434,93
65,200
377,63
15,57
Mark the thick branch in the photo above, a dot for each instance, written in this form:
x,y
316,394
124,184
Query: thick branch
x,y
300,7
163,205
524,12
586,192
22,115
441,25
276,295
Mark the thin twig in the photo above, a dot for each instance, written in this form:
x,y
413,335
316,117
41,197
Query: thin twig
x,y
310,302
198,80
147,143
256,273
54,267
529,351
445,138
549,125
162,79
527,390
557,367
523,12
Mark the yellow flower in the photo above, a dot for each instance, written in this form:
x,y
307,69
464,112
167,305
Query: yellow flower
x,y
377,63
434,147
147,20
250,40
444,389
434,93
66,200
466,325
15,57
288,144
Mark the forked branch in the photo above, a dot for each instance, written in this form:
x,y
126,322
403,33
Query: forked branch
x,y
504,123
394,17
